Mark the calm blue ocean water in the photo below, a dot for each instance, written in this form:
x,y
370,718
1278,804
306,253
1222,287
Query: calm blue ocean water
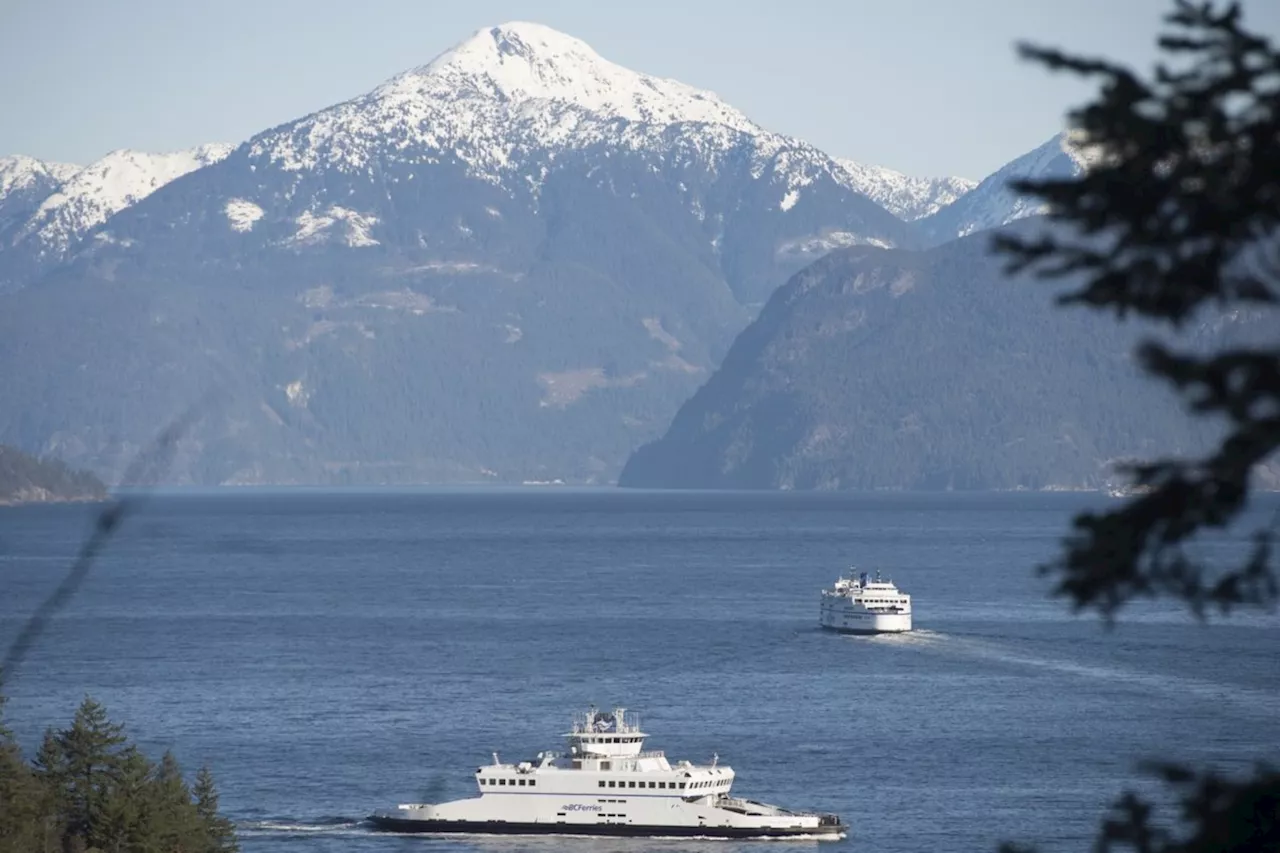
x,y
331,653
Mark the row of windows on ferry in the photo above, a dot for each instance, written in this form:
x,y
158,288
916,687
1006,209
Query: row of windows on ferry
x,y
681,786
662,785
612,783
610,739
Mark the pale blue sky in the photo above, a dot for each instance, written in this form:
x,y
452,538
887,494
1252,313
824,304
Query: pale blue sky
x,y
929,87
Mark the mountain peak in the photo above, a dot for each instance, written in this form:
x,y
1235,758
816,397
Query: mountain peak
x,y
993,202
19,172
120,178
516,63
515,42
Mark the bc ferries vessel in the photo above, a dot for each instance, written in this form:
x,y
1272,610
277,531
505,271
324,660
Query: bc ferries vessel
x,y
865,607
607,784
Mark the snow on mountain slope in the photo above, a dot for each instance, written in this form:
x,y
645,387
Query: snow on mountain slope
x,y
506,88
992,204
20,173
905,197
25,183
521,87
97,191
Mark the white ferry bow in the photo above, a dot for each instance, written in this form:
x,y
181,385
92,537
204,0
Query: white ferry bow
x,y
859,606
607,784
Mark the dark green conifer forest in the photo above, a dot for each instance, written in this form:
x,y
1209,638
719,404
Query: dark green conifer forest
x,y
88,788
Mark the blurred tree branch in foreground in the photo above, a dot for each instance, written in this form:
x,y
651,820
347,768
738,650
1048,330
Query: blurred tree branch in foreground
x,y
1177,211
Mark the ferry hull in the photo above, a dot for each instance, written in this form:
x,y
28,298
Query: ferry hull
x,y
385,823
845,622
865,632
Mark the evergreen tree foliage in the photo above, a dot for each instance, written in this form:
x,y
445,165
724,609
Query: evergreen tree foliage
x,y
217,829
93,756
89,789
19,798
1179,210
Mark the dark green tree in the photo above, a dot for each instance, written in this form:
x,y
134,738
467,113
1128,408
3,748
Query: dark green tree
x,y
88,789
49,768
128,817
19,797
173,821
1177,214
217,829
93,754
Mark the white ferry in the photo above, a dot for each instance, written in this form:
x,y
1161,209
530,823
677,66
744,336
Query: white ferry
x,y
859,606
607,784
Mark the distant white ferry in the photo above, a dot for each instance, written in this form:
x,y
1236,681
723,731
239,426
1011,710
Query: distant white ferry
x,y
607,784
859,606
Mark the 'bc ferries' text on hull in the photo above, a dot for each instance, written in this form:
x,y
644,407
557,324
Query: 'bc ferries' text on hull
x,y
607,784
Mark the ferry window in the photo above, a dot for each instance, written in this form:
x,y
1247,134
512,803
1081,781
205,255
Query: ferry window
x,y
502,781
601,783
612,784
631,784
682,785
522,783
662,784
532,782
652,784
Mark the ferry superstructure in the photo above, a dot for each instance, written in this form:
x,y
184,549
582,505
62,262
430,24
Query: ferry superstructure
x,y
859,606
607,783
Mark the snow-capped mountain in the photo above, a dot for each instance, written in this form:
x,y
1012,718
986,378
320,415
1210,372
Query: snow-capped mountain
x,y
25,183
503,91
46,209
91,195
905,197
21,174
511,99
514,262
518,105
992,203
522,86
